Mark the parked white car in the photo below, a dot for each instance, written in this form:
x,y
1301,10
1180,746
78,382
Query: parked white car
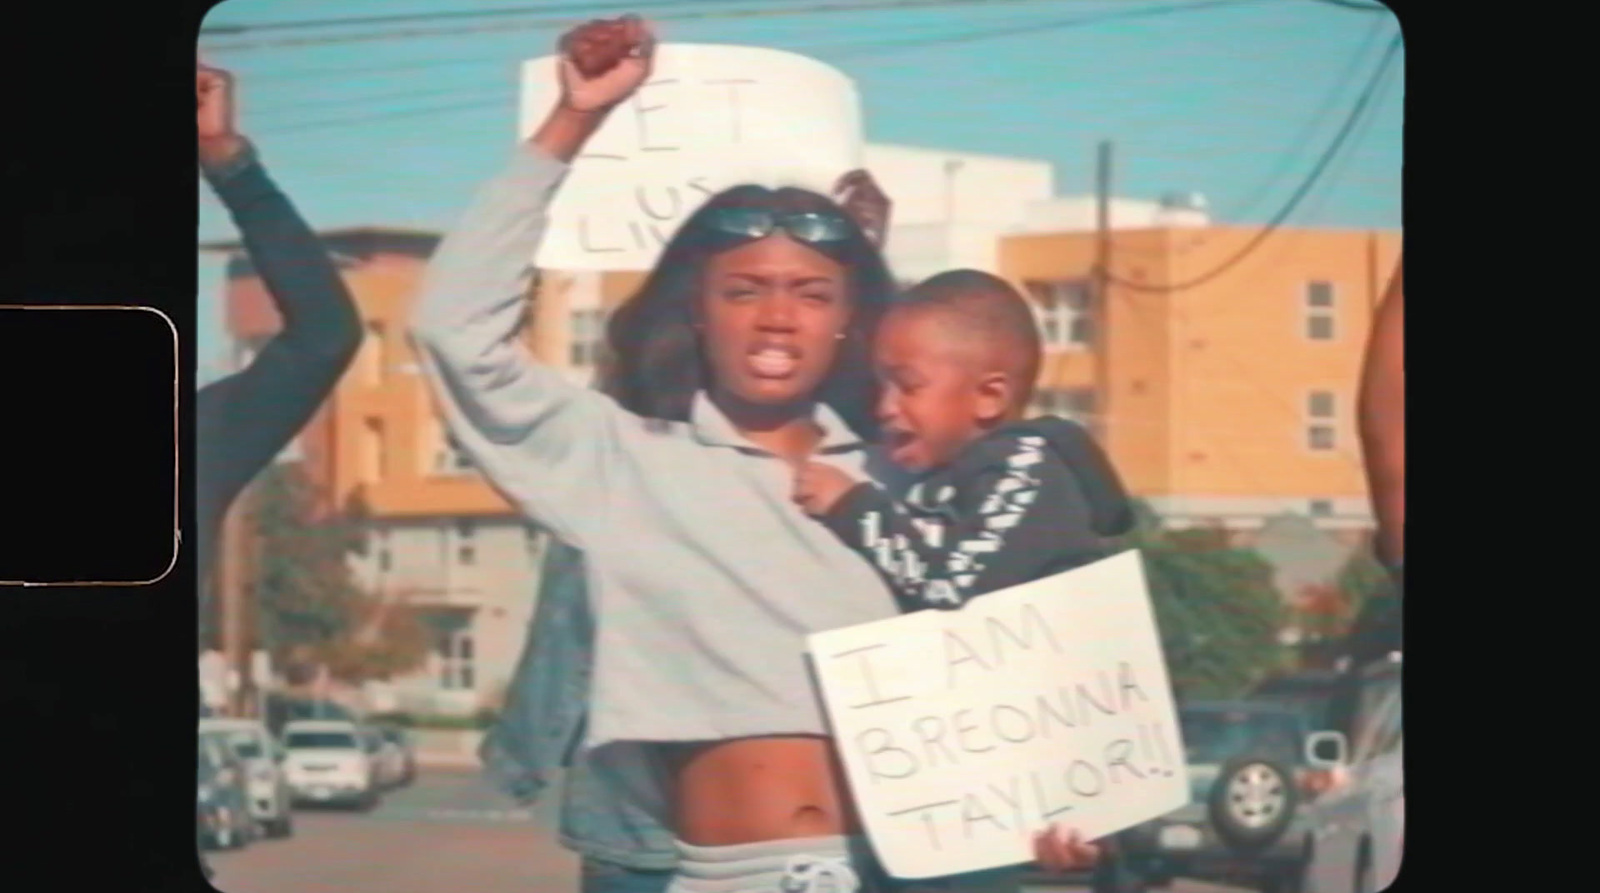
x,y
394,764
1358,826
399,747
328,763
388,764
265,781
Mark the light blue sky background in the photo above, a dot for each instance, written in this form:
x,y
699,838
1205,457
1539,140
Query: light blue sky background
x,y
1235,102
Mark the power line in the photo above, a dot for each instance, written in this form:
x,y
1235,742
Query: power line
x,y
1253,377
1362,7
481,59
445,15
825,8
857,50
1302,138
360,101
393,114
1305,187
1337,169
1287,159
688,15
1055,25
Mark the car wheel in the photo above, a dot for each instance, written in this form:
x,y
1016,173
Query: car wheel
x,y
1115,876
1366,877
1290,881
1253,802
281,827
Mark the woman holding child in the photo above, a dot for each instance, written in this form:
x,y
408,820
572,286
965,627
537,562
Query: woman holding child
x,y
744,359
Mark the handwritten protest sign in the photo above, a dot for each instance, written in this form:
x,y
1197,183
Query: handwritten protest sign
x,y
965,732
710,117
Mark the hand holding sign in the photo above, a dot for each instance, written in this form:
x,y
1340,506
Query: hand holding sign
x,y
864,200
1059,851
1046,705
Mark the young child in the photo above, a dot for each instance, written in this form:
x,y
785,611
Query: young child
x,y
1000,501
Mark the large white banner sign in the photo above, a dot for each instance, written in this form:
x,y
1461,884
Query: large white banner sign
x,y
965,732
710,117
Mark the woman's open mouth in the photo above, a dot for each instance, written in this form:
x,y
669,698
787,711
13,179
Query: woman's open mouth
x,y
773,361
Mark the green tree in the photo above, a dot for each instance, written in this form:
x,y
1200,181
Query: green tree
x,y
1363,578
303,586
1327,611
1219,611
310,608
387,637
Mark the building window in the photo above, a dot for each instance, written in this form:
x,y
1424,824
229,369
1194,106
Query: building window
x,y
1072,403
372,452
588,333
1321,422
1319,311
466,547
450,459
371,360
1062,307
453,649
1321,508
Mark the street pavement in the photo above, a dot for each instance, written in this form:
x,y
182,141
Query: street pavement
x,y
447,832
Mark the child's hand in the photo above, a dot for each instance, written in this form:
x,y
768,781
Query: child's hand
x,y
1060,851
818,488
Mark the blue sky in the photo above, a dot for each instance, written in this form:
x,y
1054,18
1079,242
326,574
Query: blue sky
x,y
1235,102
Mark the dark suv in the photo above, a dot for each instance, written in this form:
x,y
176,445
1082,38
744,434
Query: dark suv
x,y
1248,780
1313,691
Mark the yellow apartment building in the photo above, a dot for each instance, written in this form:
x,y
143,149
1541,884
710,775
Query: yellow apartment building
x,y
1229,400
1230,385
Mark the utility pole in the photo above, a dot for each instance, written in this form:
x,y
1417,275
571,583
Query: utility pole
x,y
233,564
1100,295
952,166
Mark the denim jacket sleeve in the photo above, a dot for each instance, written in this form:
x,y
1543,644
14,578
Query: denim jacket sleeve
x,y
540,728
549,692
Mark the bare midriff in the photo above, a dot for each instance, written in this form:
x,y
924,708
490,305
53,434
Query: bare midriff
x,y
752,789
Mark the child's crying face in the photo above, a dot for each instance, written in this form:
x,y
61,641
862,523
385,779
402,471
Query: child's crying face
x,y
933,399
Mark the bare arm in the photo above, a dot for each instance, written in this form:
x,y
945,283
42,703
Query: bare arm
x,y
1382,420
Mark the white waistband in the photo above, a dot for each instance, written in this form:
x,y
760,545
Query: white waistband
x,y
794,865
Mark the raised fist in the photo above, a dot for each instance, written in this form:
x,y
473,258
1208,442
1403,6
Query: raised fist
x,y
213,90
214,116
604,61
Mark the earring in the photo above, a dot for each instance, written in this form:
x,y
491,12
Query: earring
x,y
840,336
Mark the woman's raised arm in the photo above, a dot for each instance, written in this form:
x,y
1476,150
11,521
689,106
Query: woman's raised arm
x,y
540,438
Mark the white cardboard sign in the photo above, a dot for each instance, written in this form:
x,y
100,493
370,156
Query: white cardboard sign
x,y
965,732
710,117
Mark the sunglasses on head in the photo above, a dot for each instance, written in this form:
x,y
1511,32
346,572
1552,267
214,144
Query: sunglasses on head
x,y
755,223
